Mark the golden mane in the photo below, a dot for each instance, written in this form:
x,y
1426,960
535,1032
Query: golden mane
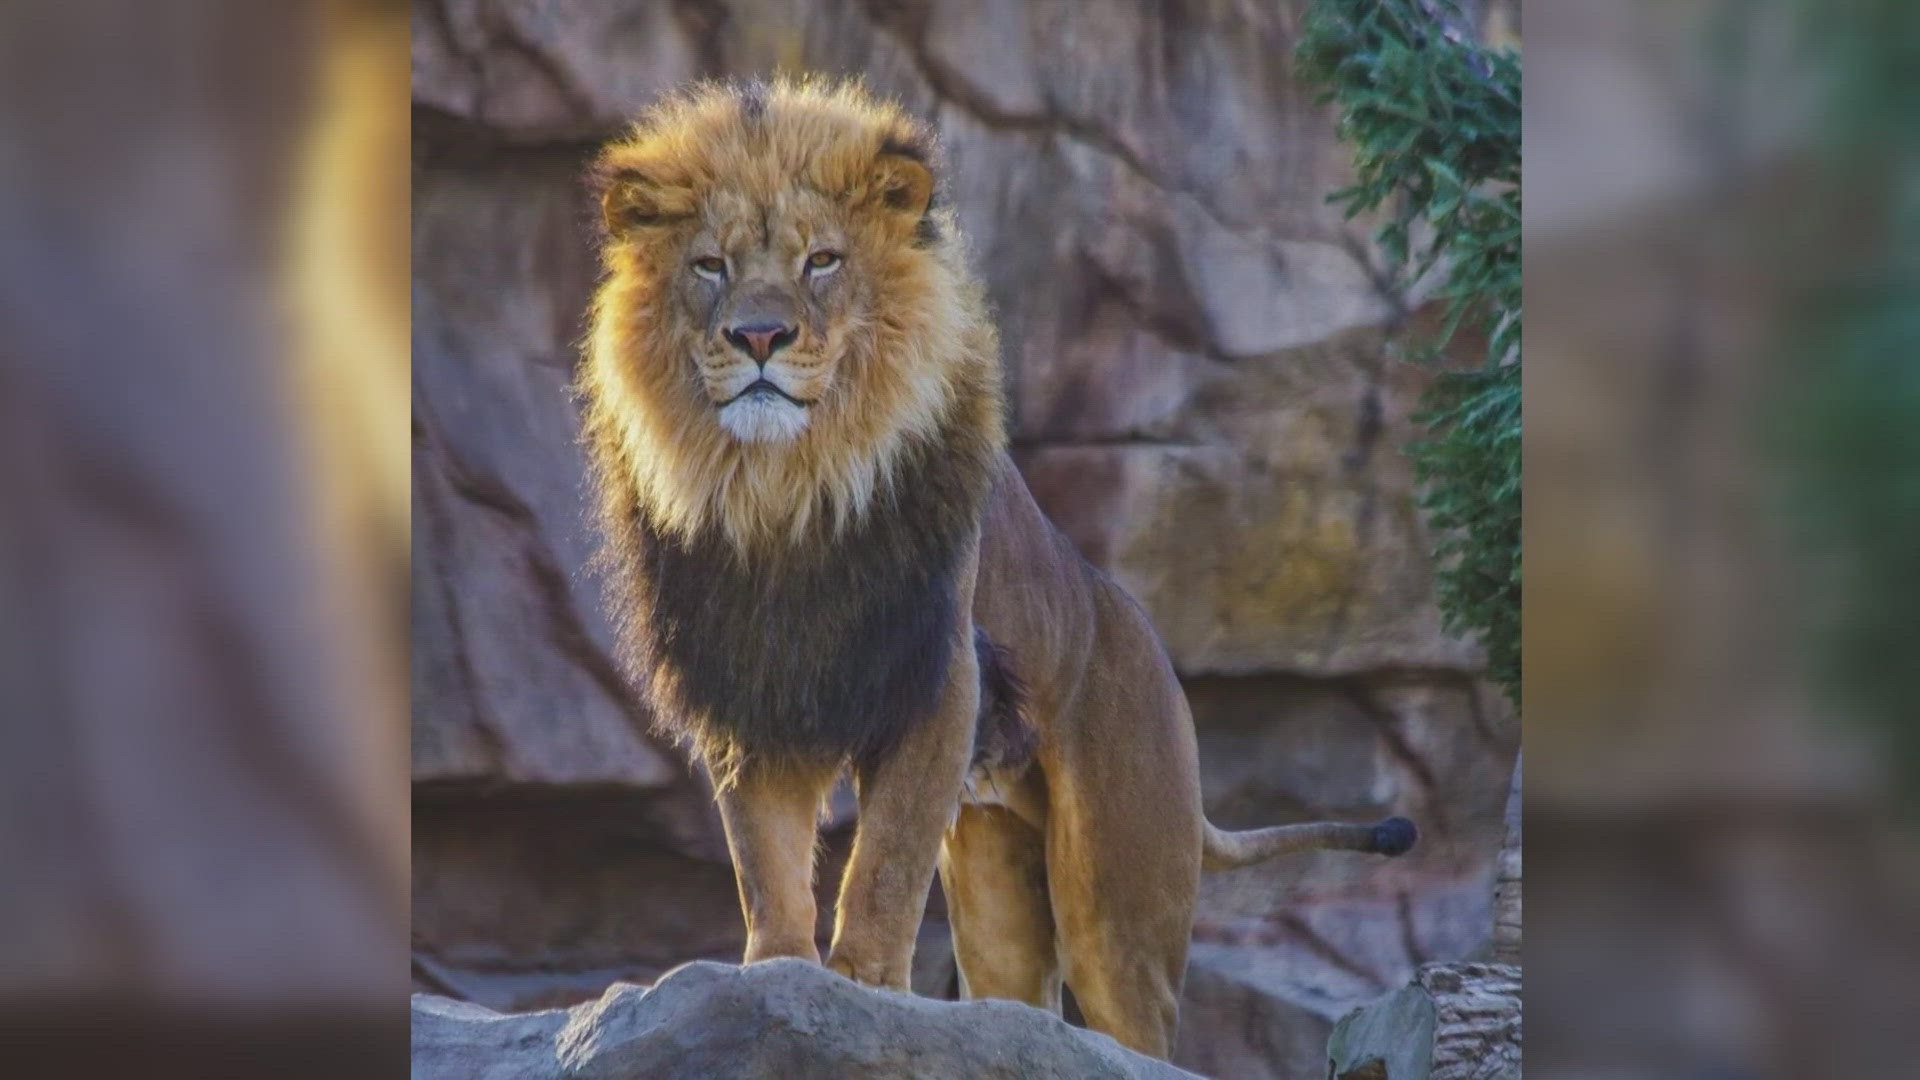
x,y
926,357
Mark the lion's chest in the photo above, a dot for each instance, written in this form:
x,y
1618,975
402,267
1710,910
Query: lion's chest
x,y
814,655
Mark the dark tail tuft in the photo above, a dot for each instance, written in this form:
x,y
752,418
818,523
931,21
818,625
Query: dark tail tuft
x,y
1394,836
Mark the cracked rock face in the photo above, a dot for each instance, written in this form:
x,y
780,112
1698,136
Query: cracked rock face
x,y
1203,399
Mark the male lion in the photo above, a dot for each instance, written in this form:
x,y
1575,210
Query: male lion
x,y
822,558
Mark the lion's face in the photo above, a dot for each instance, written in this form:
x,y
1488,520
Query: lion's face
x,y
767,300
771,235
784,307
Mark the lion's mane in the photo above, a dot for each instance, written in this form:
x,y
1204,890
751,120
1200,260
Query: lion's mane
x,y
790,605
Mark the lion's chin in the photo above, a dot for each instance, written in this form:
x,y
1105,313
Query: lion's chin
x,y
763,418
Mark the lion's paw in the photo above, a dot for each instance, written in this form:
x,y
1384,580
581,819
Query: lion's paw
x,y
873,973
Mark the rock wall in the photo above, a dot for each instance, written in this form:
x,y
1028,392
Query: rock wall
x,y
1203,400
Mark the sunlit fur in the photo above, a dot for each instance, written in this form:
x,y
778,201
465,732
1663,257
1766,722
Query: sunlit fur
x,y
788,579
764,418
906,337
803,599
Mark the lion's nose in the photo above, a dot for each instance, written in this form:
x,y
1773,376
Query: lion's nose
x,y
761,340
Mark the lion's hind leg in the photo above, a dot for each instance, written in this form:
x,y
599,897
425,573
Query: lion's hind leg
x,y
1123,906
993,868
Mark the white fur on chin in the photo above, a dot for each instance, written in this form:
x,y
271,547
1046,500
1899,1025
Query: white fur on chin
x,y
764,418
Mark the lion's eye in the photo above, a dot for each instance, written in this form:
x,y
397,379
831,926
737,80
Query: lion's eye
x,y
822,260
710,266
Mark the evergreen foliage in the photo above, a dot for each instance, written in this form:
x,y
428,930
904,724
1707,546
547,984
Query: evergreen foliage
x,y
1434,121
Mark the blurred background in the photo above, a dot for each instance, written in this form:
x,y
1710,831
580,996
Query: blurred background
x,y
203,520
1204,398
1722,538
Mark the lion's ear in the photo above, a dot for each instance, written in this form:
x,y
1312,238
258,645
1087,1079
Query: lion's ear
x,y
629,199
903,183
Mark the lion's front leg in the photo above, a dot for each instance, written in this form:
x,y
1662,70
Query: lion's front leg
x,y
771,820
907,802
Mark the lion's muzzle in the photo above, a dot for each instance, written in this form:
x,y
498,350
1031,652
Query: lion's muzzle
x,y
767,387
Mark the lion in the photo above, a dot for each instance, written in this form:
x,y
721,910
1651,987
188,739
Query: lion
x,y
821,559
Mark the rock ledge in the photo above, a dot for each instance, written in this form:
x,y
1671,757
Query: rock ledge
x,y
782,1018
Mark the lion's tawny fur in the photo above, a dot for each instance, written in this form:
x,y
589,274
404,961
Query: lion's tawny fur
x,y
788,603
927,348
868,579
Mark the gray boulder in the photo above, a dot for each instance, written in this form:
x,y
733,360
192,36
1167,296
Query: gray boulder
x,y
784,1018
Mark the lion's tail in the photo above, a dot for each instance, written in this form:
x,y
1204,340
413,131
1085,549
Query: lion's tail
x,y
1224,850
